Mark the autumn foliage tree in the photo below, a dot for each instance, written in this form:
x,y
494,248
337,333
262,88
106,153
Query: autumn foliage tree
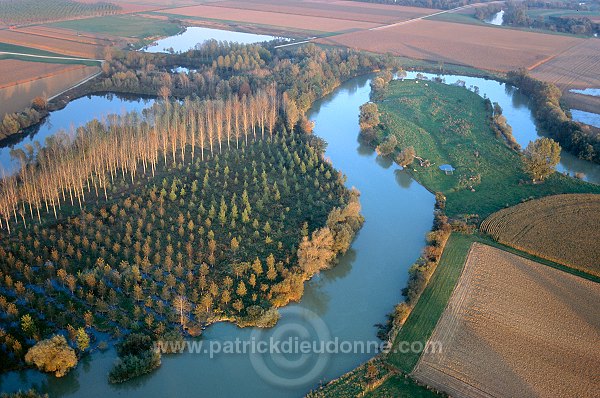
x,y
541,157
52,355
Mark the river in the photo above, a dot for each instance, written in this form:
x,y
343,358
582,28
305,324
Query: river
x,y
496,19
341,304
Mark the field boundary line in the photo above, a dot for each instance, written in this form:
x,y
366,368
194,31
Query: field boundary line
x,y
216,4
42,76
51,57
550,58
87,79
489,241
423,17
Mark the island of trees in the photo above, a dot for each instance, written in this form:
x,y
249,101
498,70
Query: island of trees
x,y
206,207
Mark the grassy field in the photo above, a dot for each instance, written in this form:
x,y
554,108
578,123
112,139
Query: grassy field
x,y
557,12
49,60
13,48
122,25
433,300
509,328
400,387
388,384
458,18
449,125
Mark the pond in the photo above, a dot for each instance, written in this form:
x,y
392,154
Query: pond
x,y
496,19
593,119
194,35
593,92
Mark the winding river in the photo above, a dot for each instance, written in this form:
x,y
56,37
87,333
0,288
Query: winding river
x,y
341,304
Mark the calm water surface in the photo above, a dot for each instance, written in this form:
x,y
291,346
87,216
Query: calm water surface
x,y
593,119
77,113
496,19
195,35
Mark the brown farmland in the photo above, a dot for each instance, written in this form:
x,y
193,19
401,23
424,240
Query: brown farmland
x,y
133,6
21,81
57,45
273,19
516,328
561,228
575,68
69,35
477,46
349,10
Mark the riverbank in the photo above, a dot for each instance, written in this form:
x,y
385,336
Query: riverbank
x,y
393,368
414,113
372,175
451,125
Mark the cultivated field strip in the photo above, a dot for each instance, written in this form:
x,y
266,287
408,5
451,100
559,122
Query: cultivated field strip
x,y
576,67
514,327
477,46
560,228
349,10
311,23
14,72
66,34
61,46
21,81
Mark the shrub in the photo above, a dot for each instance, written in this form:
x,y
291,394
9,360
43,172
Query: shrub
x,y
52,355
132,366
134,344
388,146
24,394
406,156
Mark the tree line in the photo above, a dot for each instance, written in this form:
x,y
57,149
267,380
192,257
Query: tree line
x,y
579,139
213,204
439,4
516,14
303,74
69,169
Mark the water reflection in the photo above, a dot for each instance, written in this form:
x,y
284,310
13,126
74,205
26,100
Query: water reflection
x,y
403,178
194,35
384,161
350,298
77,113
593,119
